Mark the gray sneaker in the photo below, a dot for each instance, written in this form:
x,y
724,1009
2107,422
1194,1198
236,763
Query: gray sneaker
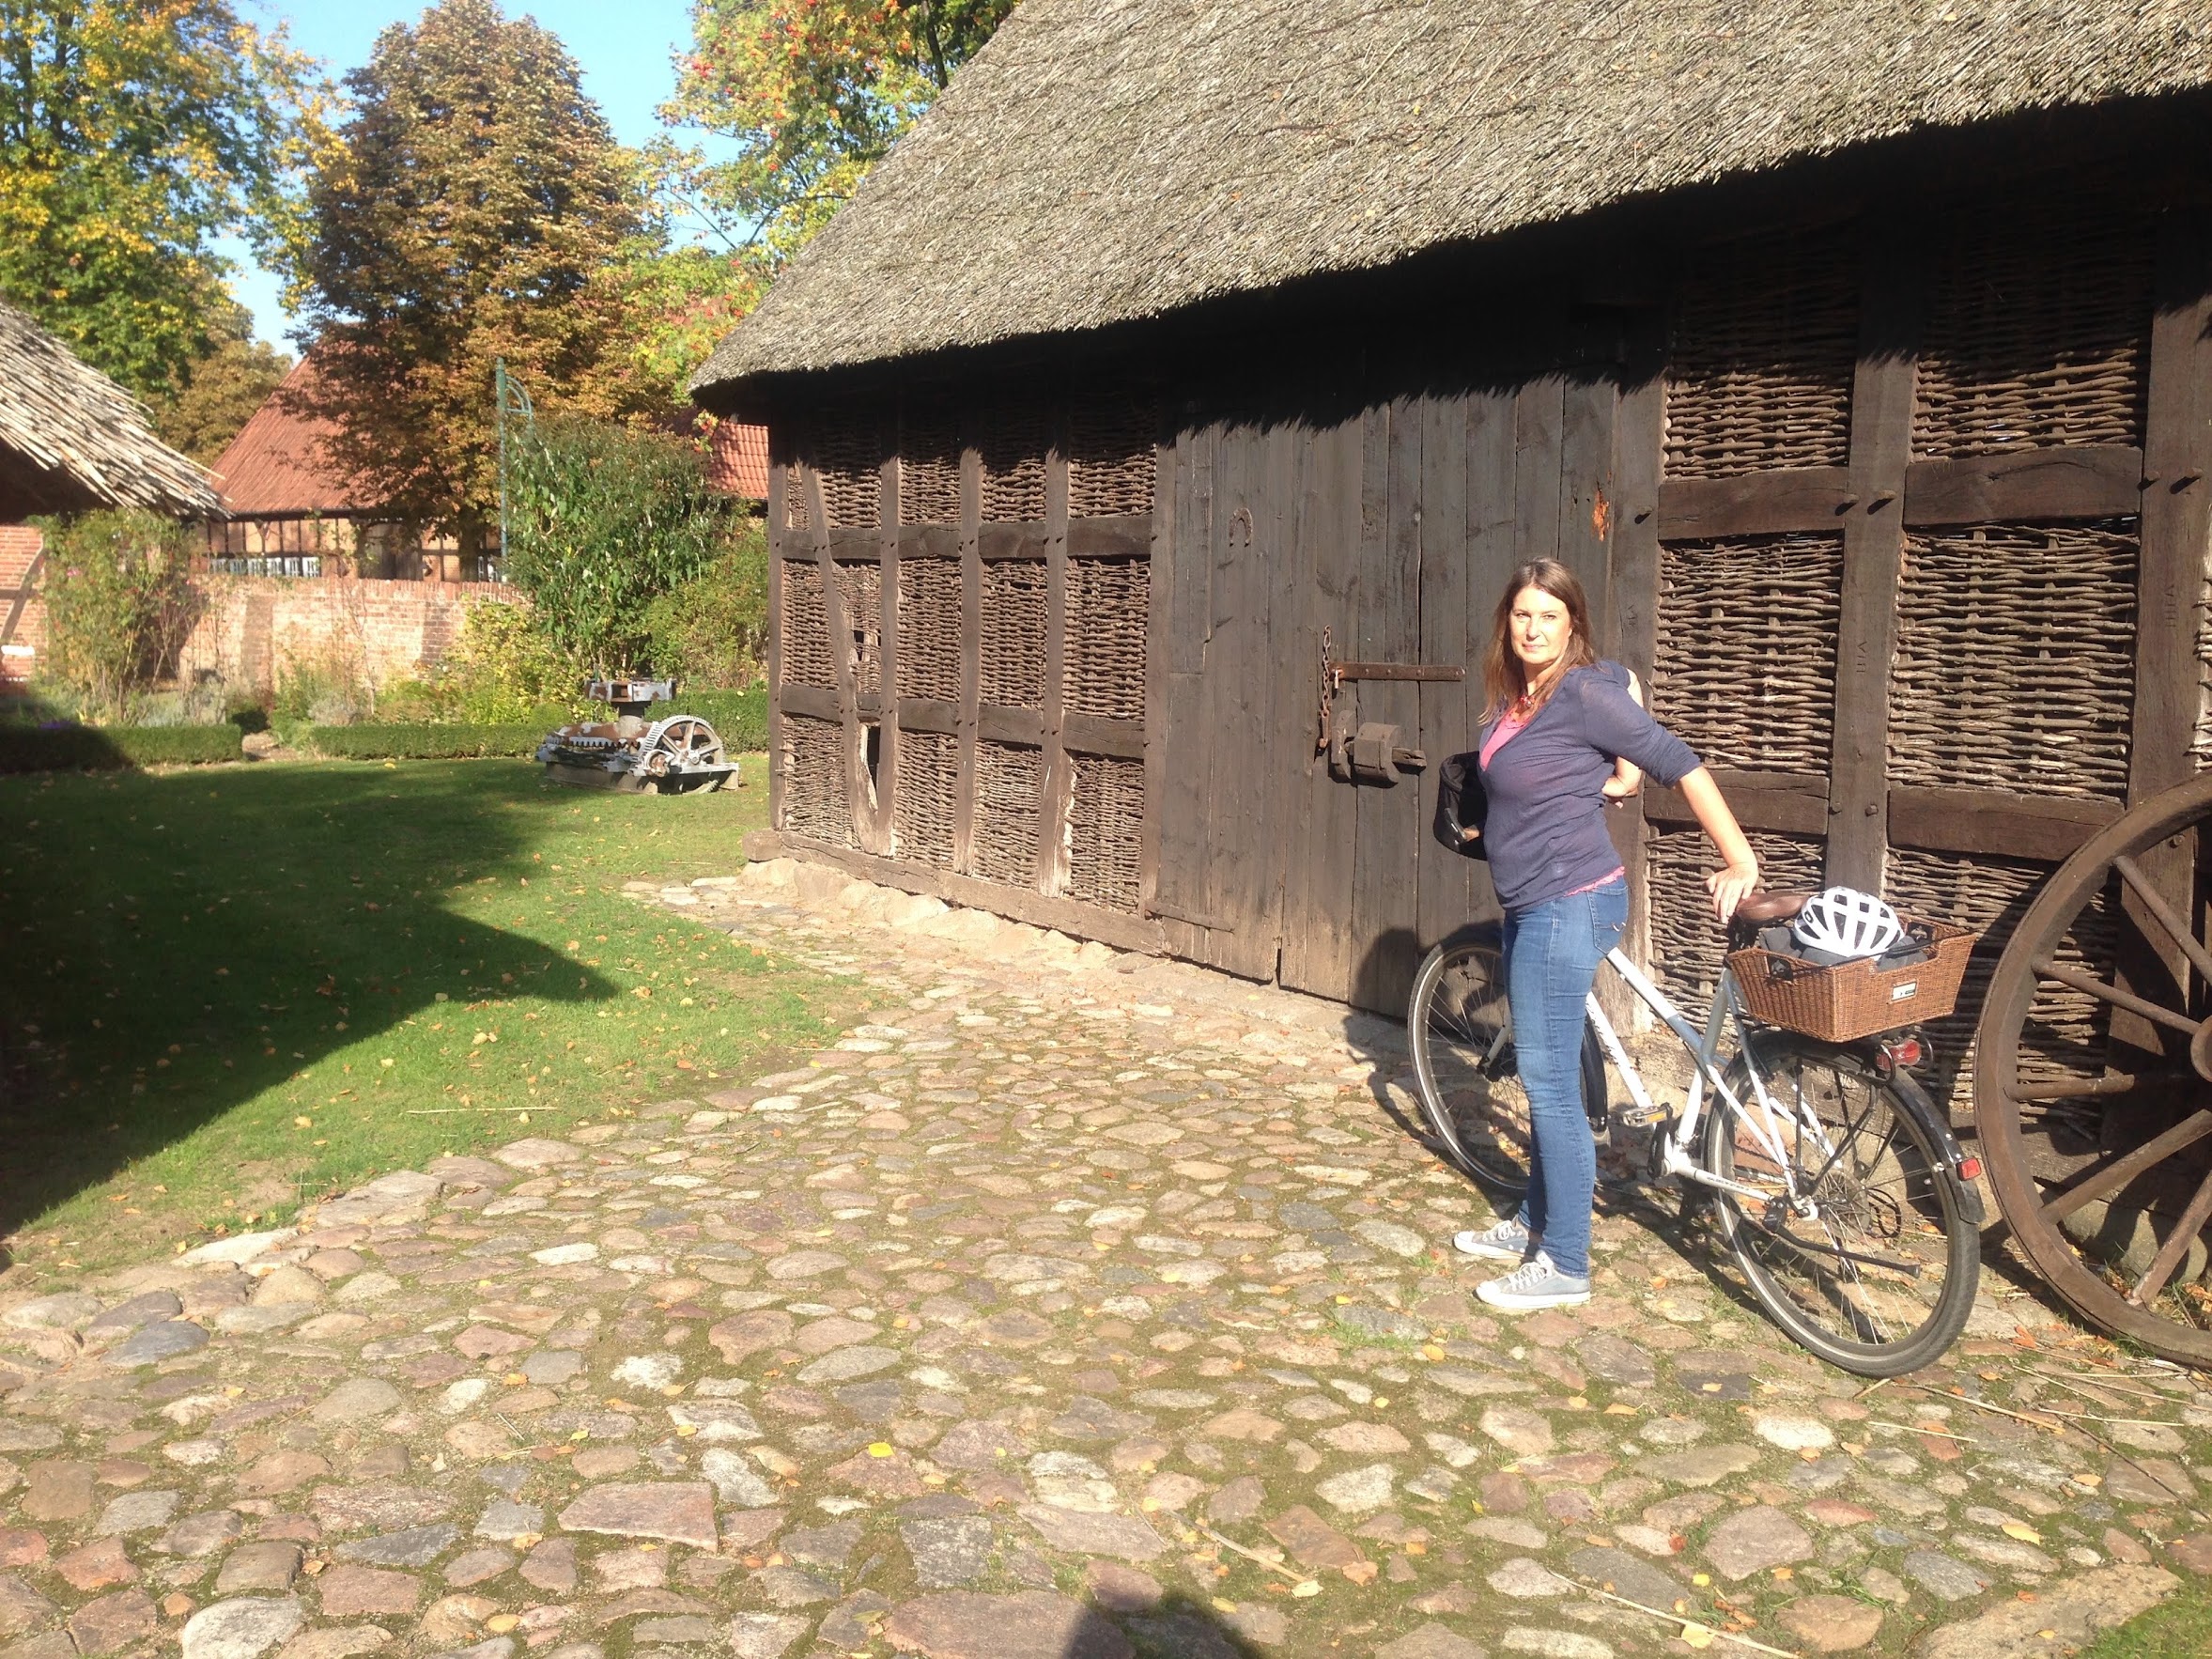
x,y
1535,1283
1506,1241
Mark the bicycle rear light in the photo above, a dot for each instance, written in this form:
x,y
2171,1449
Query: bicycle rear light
x,y
1903,1051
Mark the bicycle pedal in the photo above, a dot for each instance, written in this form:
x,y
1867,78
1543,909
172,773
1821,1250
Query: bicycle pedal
x,y
1638,1118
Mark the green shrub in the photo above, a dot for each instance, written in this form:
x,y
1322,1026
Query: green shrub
x,y
604,520
445,741
58,748
713,629
503,669
740,719
119,604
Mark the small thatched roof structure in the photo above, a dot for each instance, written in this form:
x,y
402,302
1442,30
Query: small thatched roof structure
x,y
1107,160
70,439
279,466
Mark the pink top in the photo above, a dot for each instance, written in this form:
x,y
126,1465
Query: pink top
x,y
1504,729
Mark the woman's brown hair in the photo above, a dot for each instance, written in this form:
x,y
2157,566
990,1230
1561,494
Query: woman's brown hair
x,y
1502,680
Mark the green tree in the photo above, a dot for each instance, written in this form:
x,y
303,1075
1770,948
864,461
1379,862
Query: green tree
x,y
118,605
603,520
220,391
814,92
475,207
132,135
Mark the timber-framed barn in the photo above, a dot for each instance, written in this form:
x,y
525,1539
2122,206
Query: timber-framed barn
x,y
1858,357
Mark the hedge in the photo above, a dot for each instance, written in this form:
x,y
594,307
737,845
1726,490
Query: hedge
x,y
424,742
56,749
740,719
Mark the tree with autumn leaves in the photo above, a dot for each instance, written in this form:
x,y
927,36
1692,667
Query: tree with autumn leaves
x,y
132,138
474,207
814,92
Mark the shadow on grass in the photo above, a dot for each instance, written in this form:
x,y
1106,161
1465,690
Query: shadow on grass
x,y
179,944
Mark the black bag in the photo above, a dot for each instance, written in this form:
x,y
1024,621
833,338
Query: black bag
x,y
1462,803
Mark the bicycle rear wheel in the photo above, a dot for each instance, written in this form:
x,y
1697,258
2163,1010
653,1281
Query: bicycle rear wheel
x,y
1879,1280
1462,1034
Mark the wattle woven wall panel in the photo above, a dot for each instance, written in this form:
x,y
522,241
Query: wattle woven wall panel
x,y
1759,370
794,500
2065,1031
850,457
1687,944
806,627
1111,457
1012,644
1746,666
863,588
1008,782
2038,328
815,803
929,470
1108,603
1013,449
922,813
1105,831
2015,653
929,628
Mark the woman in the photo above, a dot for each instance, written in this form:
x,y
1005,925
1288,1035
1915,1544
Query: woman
x,y
1561,735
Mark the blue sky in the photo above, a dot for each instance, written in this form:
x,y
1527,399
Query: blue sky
x,y
622,46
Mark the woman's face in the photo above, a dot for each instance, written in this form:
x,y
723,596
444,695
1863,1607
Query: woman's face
x,y
1540,628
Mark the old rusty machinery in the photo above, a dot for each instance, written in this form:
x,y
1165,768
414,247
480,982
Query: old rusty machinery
x,y
674,754
2093,1077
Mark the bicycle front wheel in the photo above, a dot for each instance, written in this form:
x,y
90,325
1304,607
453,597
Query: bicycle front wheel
x,y
1462,1034
1879,1277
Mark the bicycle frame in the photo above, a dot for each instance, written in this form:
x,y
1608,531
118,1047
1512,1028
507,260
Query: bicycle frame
x,y
1705,1049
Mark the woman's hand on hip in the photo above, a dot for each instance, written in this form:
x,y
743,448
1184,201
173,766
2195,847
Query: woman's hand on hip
x,y
1731,884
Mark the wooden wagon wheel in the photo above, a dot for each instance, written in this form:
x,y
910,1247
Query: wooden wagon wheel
x,y
2102,1162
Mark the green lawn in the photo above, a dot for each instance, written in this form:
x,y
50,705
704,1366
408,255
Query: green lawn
x,y
2179,1627
228,988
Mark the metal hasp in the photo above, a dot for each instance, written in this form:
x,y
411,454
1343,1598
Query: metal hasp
x,y
675,755
1373,753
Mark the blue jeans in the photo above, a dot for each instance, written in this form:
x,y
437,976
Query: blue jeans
x,y
1552,954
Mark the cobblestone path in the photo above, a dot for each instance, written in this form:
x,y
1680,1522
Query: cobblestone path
x,y
1084,1305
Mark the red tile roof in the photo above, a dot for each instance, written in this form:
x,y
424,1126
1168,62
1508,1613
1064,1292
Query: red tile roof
x,y
277,465
737,460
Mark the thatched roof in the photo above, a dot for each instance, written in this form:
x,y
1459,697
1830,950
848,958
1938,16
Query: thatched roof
x,y
70,439
279,466
1107,160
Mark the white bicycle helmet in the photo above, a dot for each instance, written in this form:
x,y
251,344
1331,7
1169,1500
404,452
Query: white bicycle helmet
x,y
1843,924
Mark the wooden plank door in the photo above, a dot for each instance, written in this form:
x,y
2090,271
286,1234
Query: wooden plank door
x,y
1221,826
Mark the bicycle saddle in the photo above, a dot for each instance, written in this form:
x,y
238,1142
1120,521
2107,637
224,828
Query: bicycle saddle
x,y
1760,909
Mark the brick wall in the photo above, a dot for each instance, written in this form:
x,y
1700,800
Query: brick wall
x,y
381,631
23,616
253,625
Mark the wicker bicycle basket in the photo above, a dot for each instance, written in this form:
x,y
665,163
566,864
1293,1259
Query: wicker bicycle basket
x,y
1853,999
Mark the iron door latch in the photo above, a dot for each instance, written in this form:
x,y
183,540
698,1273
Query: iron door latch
x,y
1374,752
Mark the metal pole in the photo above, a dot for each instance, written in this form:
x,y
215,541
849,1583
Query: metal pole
x,y
499,372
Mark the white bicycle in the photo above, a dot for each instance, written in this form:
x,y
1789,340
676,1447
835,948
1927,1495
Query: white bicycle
x,y
1837,1185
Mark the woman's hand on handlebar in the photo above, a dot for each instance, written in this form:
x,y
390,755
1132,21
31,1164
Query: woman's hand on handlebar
x,y
1731,884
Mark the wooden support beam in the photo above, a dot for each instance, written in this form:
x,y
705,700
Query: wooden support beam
x,y
1790,803
1057,787
971,644
1893,290
883,838
780,547
1093,733
2091,482
1123,535
1754,503
1632,638
1160,585
1990,822
2170,590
